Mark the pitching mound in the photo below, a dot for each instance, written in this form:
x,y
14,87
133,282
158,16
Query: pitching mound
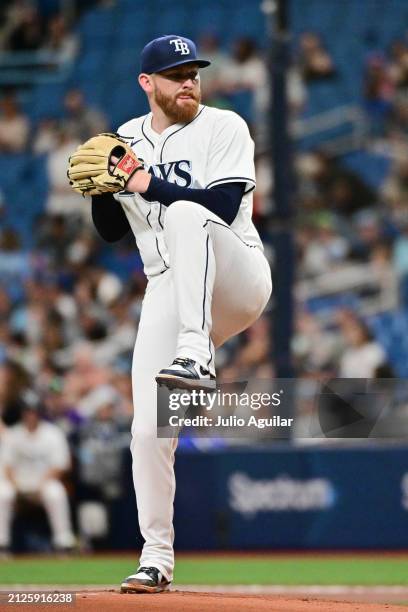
x,y
180,601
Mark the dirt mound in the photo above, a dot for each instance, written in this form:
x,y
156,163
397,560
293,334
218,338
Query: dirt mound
x,y
185,601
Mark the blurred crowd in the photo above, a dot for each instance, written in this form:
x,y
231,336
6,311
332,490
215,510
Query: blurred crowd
x,y
386,90
24,28
70,306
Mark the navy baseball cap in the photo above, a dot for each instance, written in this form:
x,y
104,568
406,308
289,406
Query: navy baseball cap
x,y
168,51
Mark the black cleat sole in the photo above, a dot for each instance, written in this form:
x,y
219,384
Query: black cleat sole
x,y
130,589
187,384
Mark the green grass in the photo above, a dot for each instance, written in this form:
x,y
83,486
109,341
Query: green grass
x,y
263,570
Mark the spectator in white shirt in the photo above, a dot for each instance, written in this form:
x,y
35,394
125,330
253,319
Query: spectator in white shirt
x,y
34,456
363,354
14,126
62,200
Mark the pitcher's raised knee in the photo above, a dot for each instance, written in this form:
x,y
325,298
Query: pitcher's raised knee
x,y
184,211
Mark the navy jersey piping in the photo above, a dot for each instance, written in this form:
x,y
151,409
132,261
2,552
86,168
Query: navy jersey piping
x,y
162,258
251,246
159,220
147,217
205,277
210,351
179,129
144,133
157,242
232,179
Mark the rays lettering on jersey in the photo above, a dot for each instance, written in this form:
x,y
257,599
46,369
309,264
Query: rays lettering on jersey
x,y
178,172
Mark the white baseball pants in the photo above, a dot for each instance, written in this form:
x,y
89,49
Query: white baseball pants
x,y
216,287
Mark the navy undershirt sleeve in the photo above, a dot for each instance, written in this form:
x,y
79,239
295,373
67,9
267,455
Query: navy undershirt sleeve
x,y
223,200
112,224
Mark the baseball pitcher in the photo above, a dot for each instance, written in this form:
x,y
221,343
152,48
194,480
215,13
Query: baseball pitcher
x,y
181,178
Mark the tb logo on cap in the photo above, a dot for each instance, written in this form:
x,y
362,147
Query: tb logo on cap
x,y
180,46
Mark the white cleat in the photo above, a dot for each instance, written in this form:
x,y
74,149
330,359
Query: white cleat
x,y
146,580
186,374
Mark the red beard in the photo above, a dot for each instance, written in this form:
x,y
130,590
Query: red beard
x,y
178,113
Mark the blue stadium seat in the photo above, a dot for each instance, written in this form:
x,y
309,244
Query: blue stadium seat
x,y
22,207
331,303
373,168
97,24
391,331
46,100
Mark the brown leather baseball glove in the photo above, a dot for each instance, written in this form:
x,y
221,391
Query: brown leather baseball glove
x,y
91,170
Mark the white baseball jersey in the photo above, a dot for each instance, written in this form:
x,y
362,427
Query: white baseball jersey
x,y
33,454
214,148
